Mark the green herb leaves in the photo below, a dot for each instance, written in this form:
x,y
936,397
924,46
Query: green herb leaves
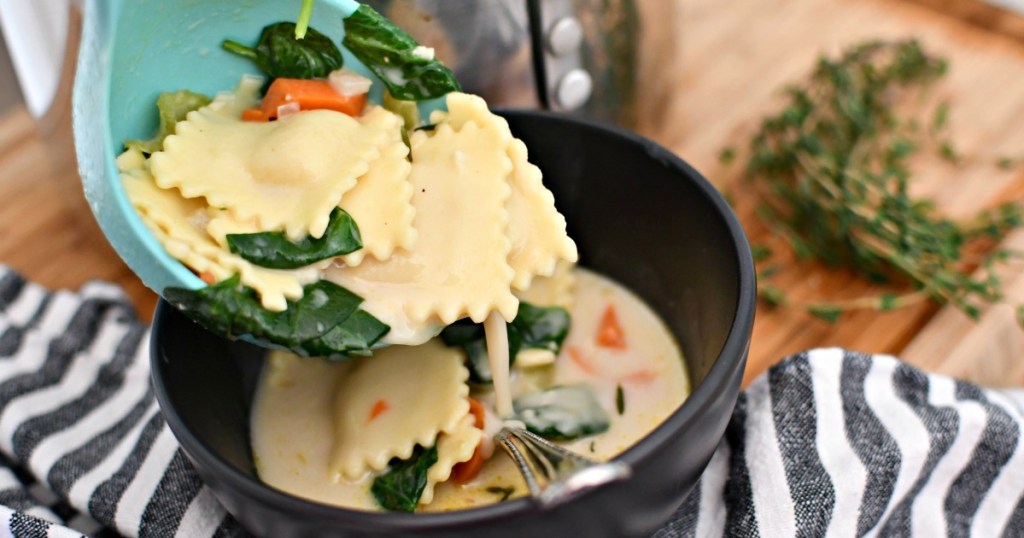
x,y
276,251
325,322
401,486
832,170
173,107
562,412
393,56
503,493
280,54
620,399
289,50
535,327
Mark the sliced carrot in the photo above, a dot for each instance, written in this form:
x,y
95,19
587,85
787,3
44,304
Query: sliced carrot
x,y
609,331
253,114
580,360
641,376
379,407
208,277
310,94
467,470
477,410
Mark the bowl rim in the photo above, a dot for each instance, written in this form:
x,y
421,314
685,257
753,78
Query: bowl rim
x,y
731,358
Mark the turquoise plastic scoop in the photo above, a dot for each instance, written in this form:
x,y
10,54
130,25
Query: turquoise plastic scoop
x,y
133,50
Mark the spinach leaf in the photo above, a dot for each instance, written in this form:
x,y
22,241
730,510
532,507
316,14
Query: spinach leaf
x,y
173,107
406,109
391,54
349,337
278,53
562,412
535,327
325,322
276,251
538,327
402,485
470,337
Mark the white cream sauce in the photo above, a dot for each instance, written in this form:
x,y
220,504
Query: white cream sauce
x,y
292,416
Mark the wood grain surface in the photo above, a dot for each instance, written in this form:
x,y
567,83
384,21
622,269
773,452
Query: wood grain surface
x,y
707,86
727,73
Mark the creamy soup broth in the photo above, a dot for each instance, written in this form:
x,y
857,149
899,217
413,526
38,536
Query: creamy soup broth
x,y
293,414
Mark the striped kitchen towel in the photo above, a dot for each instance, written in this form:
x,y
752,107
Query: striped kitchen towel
x,y
827,443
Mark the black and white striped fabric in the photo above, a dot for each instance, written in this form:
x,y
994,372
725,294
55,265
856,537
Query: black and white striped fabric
x,y
827,443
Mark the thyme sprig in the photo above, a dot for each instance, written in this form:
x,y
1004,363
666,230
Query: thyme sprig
x,y
832,172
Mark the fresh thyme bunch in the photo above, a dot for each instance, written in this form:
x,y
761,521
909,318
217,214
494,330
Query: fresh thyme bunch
x,y
832,171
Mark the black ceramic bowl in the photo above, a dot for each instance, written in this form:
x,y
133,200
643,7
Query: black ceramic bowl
x,y
638,214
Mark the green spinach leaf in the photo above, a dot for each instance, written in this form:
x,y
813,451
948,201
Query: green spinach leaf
x,y
562,412
325,322
350,337
276,251
539,327
401,486
173,107
278,53
391,54
470,337
535,327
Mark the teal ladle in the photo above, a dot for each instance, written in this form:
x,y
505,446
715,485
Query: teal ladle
x,y
133,50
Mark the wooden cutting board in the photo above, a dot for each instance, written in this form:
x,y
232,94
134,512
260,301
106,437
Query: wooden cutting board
x,y
725,73
706,86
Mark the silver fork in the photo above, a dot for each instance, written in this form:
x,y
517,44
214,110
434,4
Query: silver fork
x,y
552,473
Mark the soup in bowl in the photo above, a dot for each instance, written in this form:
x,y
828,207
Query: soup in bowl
x,y
639,216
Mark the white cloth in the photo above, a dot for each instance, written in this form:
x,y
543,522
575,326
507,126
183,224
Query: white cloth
x,y
826,443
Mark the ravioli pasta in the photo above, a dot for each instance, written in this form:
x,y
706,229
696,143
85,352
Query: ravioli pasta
x,y
179,224
458,266
453,448
380,202
389,403
285,174
485,222
536,230
553,290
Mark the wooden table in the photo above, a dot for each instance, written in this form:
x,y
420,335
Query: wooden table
x,y
708,88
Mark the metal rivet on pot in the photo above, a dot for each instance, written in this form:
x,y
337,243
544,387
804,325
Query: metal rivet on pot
x,y
565,36
574,89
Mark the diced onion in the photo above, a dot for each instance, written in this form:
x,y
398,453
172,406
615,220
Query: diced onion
x,y
348,83
424,53
288,109
531,358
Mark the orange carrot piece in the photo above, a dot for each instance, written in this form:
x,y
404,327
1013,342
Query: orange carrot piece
x,y
477,410
609,331
310,95
641,376
580,360
208,277
379,407
467,470
253,114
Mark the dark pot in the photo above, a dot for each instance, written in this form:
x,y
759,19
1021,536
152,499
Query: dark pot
x,y
638,214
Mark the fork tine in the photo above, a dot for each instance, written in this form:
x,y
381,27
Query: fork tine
x,y
565,473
